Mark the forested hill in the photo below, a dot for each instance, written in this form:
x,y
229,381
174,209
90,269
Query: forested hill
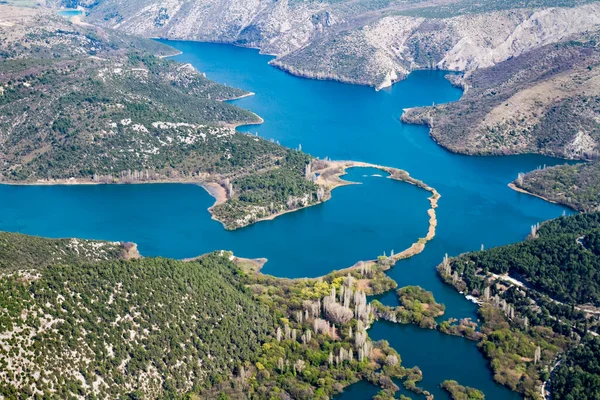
x,y
578,375
31,253
80,103
147,327
562,260
81,318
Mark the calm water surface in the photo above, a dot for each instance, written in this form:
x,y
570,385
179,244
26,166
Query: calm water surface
x,y
360,222
70,13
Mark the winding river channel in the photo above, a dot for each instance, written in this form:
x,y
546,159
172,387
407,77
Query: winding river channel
x,y
343,122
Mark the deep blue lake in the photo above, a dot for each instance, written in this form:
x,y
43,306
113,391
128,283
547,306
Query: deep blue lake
x,y
360,222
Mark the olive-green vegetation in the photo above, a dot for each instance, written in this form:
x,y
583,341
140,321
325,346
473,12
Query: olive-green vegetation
x,y
320,343
370,277
269,192
520,356
538,297
98,325
459,392
417,307
557,262
578,375
85,103
151,326
22,252
576,186
464,327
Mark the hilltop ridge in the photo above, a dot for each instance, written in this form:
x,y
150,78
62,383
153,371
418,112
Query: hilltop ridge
x,y
372,42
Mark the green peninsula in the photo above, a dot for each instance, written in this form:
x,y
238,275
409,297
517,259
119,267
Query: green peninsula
x,y
81,104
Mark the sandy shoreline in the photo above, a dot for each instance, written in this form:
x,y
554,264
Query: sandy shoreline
x,y
243,96
235,125
217,191
170,55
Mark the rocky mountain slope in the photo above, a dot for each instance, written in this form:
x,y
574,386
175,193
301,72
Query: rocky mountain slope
x,y
545,101
371,42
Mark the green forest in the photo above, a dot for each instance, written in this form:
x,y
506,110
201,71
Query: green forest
x,y
81,103
459,392
539,301
92,319
576,186
562,260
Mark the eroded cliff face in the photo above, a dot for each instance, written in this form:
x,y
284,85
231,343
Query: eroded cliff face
x,y
276,27
360,42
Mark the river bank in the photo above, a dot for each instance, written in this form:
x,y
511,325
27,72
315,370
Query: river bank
x,y
518,189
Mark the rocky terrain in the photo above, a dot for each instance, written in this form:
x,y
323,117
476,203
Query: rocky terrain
x,y
373,42
544,101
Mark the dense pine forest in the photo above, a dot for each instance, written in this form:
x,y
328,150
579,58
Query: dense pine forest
x,y
578,376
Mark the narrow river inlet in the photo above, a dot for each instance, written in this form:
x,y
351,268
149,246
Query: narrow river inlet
x,y
360,222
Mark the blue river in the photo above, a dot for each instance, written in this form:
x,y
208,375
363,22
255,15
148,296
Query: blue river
x,y
340,121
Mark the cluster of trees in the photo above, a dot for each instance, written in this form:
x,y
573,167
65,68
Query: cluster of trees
x,y
282,188
459,392
73,106
30,253
151,325
320,343
418,306
110,327
518,357
133,117
557,262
